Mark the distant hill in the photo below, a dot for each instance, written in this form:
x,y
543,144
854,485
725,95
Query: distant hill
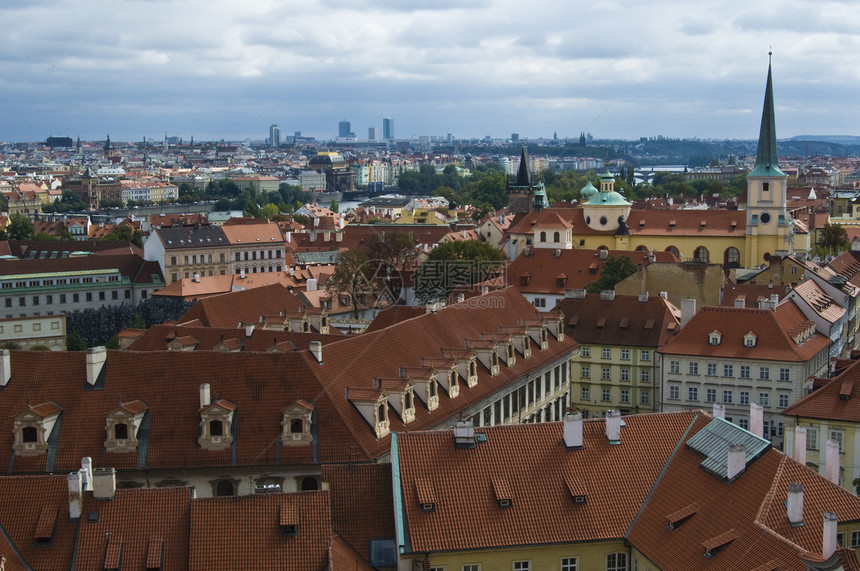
x,y
848,140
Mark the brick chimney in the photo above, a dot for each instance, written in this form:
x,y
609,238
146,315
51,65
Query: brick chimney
x,y
573,431
96,358
104,483
737,461
5,367
831,462
613,426
828,536
205,399
794,505
800,444
76,496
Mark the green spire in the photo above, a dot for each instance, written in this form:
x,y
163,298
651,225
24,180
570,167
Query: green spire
x,y
767,159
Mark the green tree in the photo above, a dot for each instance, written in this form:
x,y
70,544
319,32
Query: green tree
x,y
334,207
456,264
357,276
44,236
126,233
74,342
270,210
19,227
612,271
832,239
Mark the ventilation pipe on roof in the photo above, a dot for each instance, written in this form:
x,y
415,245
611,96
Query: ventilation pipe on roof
x,y
719,410
573,431
737,461
800,444
204,395
828,536
757,420
76,496
5,367
831,462
316,350
794,504
613,426
96,358
104,483
688,310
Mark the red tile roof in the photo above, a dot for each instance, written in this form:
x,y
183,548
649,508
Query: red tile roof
x,y
228,310
834,401
157,338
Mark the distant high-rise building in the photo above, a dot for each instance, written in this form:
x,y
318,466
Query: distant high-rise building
x,y
515,138
387,128
344,129
372,133
274,136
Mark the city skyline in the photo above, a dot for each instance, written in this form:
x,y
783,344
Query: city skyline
x,y
615,69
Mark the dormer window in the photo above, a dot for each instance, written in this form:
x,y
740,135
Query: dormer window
x,y
502,491
33,427
122,424
715,338
400,397
216,421
750,339
296,423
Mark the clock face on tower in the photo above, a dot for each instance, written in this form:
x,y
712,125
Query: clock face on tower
x,y
765,218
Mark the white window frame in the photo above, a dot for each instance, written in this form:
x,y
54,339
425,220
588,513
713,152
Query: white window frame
x,y
585,352
572,563
675,367
674,392
728,371
605,353
625,354
693,394
693,368
645,355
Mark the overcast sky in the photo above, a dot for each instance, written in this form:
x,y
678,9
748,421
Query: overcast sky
x,y
217,69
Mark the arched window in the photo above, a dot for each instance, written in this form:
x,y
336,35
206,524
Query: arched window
x,y
309,484
732,258
543,236
674,251
432,389
641,248
556,237
29,434
216,428
408,399
700,254
380,413
225,488
296,426
120,431
209,258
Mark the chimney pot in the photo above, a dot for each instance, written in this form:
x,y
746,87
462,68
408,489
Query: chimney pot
x,y
86,472
573,430
96,357
737,461
607,295
800,444
204,395
249,329
104,483
828,539
76,495
831,462
316,350
795,504
757,420
613,426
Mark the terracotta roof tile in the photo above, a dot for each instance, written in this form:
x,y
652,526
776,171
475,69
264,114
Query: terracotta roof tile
x,y
247,306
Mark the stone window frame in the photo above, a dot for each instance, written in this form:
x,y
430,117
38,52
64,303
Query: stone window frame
x,y
38,421
220,410
129,414
299,411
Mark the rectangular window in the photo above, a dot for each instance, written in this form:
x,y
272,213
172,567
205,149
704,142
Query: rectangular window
x,y
694,368
727,396
471,567
76,297
763,399
855,542
35,300
585,352
645,376
745,397
22,302
606,353
764,373
645,355
606,395
692,394
811,438
784,374
238,256
744,423
838,436
49,299
522,566
585,372
62,298
645,397
625,375
711,395
8,302
745,371
728,370
712,369
585,393
114,294
625,354
605,373
572,563
89,296
101,296
625,396
783,401
674,392
675,367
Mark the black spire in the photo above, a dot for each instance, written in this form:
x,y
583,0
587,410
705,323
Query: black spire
x,y
524,175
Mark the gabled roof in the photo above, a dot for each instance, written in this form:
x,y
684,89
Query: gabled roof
x,y
157,338
228,310
253,234
191,237
773,339
838,400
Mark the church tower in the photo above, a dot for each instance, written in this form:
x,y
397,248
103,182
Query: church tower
x,y
524,195
770,228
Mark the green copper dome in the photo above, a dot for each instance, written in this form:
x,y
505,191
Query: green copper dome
x,y
588,191
611,198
